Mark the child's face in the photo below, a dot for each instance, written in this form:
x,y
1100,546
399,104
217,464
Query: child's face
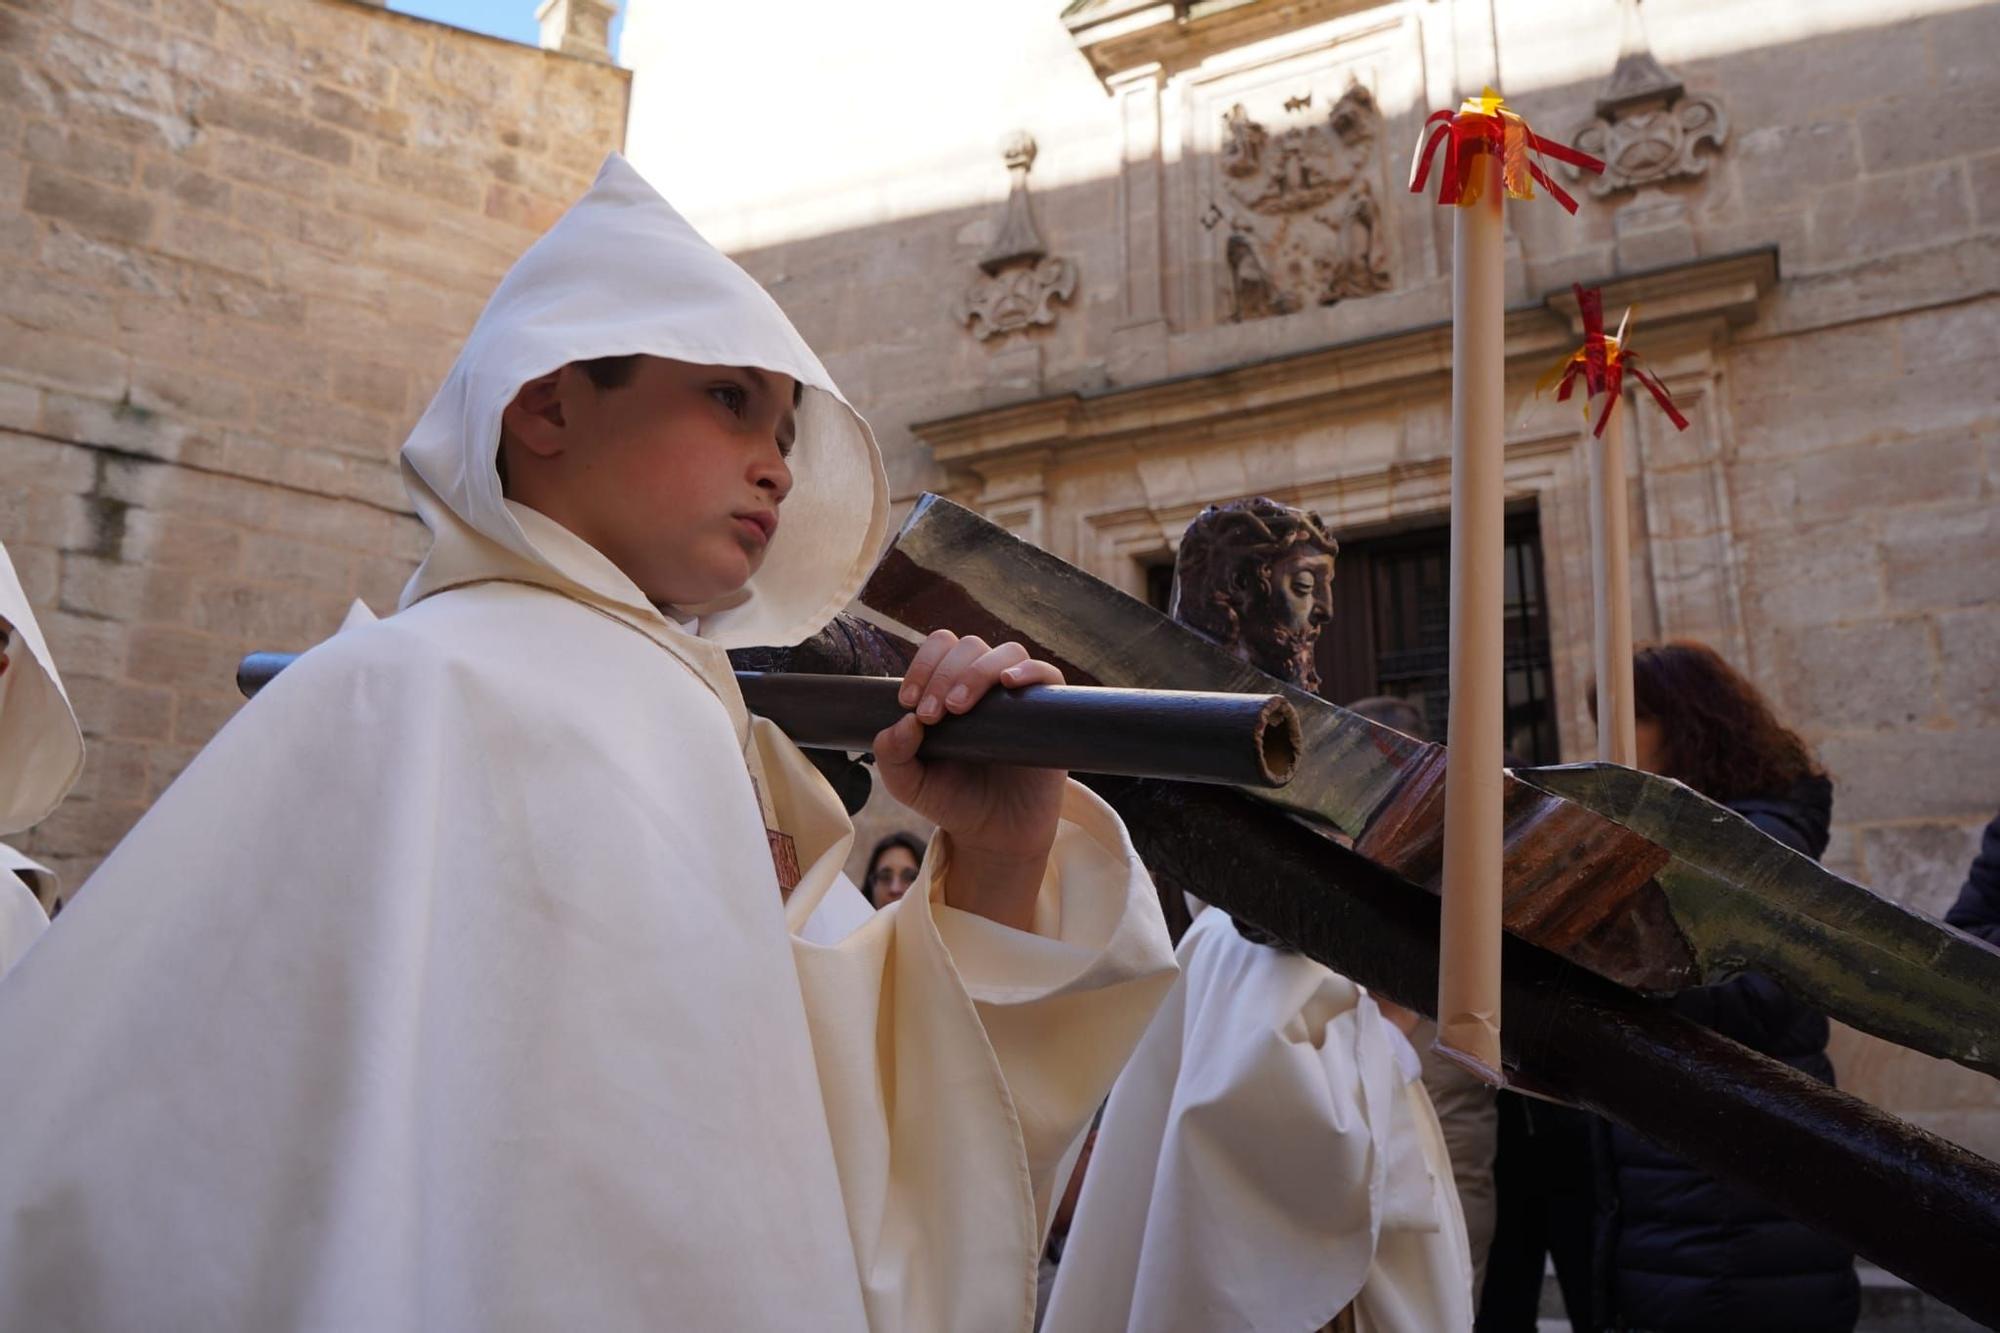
x,y
676,476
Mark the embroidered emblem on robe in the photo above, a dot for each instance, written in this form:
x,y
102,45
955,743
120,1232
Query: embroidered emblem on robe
x,y
784,858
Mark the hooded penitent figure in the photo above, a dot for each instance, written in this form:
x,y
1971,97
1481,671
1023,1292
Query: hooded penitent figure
x,y
41,753
452,986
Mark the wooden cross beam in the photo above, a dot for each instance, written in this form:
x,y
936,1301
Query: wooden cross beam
x,y
1907,1199
1629,875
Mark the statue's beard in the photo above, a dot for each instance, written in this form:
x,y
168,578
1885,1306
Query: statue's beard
x,y
1287,652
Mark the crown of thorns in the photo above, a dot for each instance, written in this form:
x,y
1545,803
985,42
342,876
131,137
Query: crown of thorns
x,y
1226,558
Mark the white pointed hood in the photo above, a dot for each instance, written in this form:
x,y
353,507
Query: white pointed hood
x,y
622,272
41,746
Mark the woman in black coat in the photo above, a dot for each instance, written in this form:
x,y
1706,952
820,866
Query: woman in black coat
x,y
1977,911
1678,1249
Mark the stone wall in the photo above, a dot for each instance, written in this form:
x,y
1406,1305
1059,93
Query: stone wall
x,y
240,243
1819,288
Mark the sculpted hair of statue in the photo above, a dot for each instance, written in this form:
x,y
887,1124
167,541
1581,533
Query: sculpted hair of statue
x,y
1223,581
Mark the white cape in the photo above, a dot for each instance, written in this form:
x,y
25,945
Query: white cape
x,y
41,755
41,746
1264,1162
22,919
451,987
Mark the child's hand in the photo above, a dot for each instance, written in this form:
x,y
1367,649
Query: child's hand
x,y
1002,820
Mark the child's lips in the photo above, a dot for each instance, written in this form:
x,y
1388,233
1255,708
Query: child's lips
x,y
762,524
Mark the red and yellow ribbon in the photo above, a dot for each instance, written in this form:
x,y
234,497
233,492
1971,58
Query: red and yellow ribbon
x,y
1484,124
1602,363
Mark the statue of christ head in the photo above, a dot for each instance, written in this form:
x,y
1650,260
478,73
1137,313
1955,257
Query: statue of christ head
x,y
1256,576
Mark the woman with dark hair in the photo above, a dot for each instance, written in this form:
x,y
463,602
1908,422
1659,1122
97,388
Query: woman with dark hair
x,y
892,867
1977,911
1679,1249
1702,723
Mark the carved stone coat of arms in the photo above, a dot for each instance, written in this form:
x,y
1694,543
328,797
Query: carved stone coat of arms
x,y
1304,226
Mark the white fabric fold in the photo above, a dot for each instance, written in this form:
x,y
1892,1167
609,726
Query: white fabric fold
x,y
41,745
22,919
1263,1164
41,757
960,1207
840,913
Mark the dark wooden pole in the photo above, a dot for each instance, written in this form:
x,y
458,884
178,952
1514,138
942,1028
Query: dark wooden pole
x,y
1239,739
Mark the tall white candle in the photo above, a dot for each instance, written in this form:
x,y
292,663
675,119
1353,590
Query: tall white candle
x,y
1469,945
1611,580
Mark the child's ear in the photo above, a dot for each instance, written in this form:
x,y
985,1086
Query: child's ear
x,y
535,417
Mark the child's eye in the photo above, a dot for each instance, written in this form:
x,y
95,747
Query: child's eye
x,y
731,396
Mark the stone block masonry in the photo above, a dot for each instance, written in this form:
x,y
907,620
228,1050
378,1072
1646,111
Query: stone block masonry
x,y
240,243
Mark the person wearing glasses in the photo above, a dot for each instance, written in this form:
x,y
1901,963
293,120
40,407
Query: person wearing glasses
x,y
893,866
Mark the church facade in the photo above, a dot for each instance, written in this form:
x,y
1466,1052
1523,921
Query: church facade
x,y
1089,269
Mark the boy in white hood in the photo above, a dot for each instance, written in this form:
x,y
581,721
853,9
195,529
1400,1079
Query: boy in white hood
x,y
456,986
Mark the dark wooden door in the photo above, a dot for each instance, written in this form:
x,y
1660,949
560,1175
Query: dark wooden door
x,y
1391,631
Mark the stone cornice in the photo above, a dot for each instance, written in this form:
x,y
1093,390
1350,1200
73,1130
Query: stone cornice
x,y
1699,297
1727,287
1122,35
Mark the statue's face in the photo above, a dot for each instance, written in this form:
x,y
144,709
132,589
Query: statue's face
x,y
1302,590
1296,605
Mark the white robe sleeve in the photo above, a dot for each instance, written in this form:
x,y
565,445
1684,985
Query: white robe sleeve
x,y
1026,1033
1064,1006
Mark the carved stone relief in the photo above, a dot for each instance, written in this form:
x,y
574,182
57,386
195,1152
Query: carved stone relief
x,y
1647,129
1021,281
1304,226
1659,144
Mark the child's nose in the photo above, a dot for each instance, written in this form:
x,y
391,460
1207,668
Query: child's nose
x,y
771,473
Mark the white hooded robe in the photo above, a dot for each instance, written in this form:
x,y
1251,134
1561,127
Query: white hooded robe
x,y
1265,1161
451,986
41,755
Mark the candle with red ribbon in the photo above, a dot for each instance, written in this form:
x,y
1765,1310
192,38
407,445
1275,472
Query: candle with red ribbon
x,y
1489,153
1486,125
1601,365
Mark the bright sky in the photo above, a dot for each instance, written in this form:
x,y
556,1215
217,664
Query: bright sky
x,y
512,19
